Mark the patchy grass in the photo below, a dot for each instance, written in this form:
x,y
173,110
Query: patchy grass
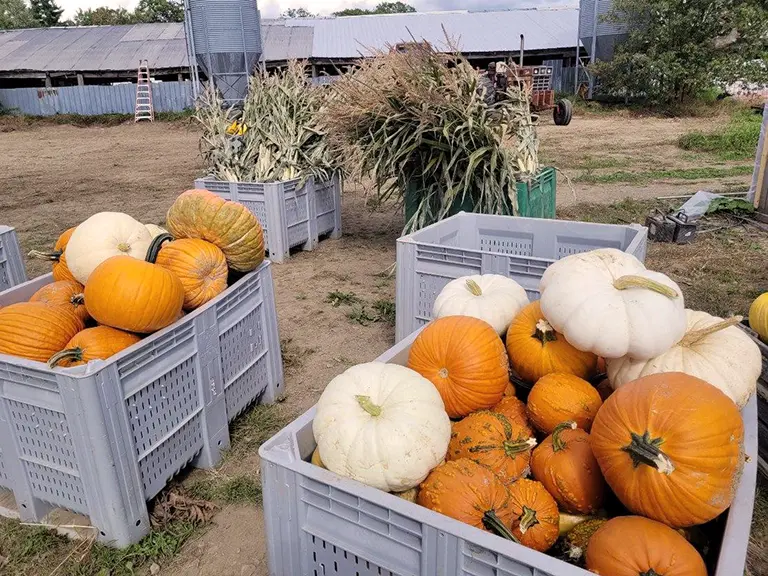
x,y
385,310
706,173
255,427
337,298
736,141
591,163
361,315
757,553
293,355
10,120
240,489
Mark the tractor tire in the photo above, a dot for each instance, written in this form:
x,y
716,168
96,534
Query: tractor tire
x,y
563,112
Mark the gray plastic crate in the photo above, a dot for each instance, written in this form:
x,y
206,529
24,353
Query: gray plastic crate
x,y
102,439
519,248
11,264
291,215
319,523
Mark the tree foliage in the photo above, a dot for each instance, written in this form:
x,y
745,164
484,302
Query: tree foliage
x,y
46,12
159,11
381,8
678,48
297,13
104,16
15,14
147,11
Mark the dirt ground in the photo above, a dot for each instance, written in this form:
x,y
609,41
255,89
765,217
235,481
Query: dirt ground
x,y
53,177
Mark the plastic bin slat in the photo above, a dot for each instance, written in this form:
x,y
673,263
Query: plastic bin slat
x,y
467,244
320,523
291,216
12,270
103,439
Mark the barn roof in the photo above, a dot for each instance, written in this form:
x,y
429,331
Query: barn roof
x,y
118,48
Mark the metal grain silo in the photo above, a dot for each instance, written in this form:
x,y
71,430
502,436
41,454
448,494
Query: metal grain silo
x,y
598,35
224,39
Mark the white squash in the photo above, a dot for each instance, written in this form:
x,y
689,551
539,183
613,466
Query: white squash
x,y
606,302
156,230
713,349
102,236
383,425
490,297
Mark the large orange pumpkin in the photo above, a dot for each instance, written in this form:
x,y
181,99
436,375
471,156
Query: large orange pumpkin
x,y
57,257
535,518
133,295
513,408
469,493
564,463
67,293
671,447
492,440
636,546
35,330
558,398
97,343
200,265
228,225
465,359
535,349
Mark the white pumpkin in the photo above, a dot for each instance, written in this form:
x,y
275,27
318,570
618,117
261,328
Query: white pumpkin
x,y
606,302
490,297
102,236
713,349
156,230
383,425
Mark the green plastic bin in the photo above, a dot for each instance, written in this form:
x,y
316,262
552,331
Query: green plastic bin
x,y
535,198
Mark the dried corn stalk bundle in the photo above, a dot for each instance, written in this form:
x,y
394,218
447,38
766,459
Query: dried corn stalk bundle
x,y
417,123
274,137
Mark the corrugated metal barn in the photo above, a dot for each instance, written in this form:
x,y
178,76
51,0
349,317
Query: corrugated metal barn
x,y
58,70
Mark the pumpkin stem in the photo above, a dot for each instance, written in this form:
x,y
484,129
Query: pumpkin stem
x,y
512,448
631,281
78,299
693,337
54,256
557,442
528,520
474,288
645,450
367,404
75,354
650,572
156,245
493,523
544,332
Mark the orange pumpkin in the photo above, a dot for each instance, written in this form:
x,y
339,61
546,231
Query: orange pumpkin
x,y
632,546
97,343
465,359
671,447
535,518
492,440
513,409
510,390
35,330
469,493
558,398
565,465
200,265
228,225
57,257
535,349
67,293
133,295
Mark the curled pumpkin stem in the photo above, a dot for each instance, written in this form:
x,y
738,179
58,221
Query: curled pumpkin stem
x,y
528,520
645,450
557,442
474,288
155,247
78,299
74,354
54,256
512,448
493,523
631,281
367,404
544,332
696,335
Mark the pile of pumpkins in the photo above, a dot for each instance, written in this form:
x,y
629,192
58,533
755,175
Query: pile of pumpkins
x,y
661,438
116,280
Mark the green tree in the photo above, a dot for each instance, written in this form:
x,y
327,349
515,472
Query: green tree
x,y
46,12
297,13
104,16
159,11
678,48
15,14
382,8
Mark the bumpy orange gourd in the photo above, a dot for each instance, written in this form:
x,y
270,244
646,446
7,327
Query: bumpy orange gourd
x,y
535,518
513,408
133,295
535,349
636,546
228,225
671,447
97,343
57,257
465,359
35,330
565,465
469,493
200,265
558,398
66,293
490,439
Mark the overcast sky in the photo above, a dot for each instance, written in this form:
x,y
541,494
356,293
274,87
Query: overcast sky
x,y
272,8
